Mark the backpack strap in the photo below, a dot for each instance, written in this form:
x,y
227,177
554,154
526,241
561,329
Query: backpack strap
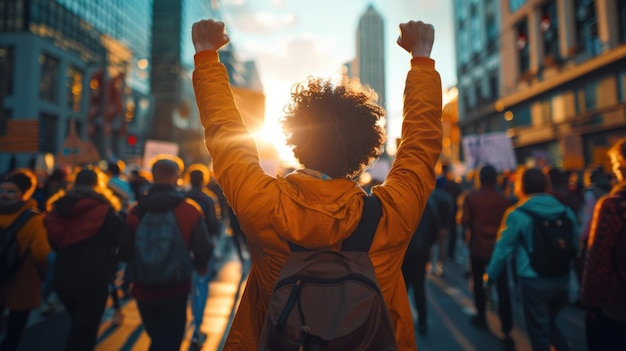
x,y
362,237
19,222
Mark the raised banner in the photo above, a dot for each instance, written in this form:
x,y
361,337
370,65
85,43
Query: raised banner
x,y
495,149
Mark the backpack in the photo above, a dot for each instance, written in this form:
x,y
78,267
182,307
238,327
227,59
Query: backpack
x,y
552,248
330,300
160,256
10,258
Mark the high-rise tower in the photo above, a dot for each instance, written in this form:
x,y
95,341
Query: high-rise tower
x,y
370,50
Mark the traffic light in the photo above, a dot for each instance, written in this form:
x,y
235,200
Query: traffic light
x,y
131,139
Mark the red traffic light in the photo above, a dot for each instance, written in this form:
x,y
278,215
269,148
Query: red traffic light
x,y
131,139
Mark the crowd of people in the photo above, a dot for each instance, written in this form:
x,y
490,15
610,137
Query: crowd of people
x,y
75,234
500,215
90,223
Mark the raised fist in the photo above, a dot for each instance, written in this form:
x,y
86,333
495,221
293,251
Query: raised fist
x,y
417,38
208,35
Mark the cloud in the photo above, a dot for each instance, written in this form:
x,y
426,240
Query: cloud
x,y
294,58
260,22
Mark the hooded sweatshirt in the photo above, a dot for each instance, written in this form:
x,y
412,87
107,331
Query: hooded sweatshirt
x,y
517,226
84,231
319,213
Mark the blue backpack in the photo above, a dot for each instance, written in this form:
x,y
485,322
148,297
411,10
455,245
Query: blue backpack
x,y
160,256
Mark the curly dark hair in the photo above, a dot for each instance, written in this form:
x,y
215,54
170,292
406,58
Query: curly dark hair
x,y
332,128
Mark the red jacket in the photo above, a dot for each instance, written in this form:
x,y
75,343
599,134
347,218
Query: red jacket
x,y
483,210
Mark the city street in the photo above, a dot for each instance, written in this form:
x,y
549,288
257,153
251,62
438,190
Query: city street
x,y
450,306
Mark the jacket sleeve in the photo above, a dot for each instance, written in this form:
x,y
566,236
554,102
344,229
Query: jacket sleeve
x,y
232,148
114,227
508,239
39,245
412,176
598,257
212,221
127,239
200,245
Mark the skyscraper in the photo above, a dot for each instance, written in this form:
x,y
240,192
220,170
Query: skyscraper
x,y
370,50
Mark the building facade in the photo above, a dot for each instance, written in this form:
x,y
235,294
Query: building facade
x,y
370,51
64,67
562,81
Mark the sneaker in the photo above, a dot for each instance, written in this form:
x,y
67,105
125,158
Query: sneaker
x,y
479,322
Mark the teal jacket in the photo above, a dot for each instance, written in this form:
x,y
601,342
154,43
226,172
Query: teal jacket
x,y
516,226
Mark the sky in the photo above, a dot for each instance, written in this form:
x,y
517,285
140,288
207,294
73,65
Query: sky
x,y
290,40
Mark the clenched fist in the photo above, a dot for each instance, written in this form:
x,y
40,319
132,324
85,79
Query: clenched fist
x,y
208,35
417,38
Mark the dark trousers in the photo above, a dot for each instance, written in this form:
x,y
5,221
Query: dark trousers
x,y
542,300
505,311
16,323
164,321
604,333
85,308
414,272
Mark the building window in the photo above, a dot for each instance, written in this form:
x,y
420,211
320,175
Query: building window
x,y
521,43
7,69
49,77
491,21
515,5
521,116
494,86
621,20
550,30
48,125
74,88
587,27
475,29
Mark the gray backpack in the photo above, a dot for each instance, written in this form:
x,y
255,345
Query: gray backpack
x,y
160,256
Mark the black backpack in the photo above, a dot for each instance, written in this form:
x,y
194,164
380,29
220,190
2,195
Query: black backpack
x,y
10,258
330,300
552,249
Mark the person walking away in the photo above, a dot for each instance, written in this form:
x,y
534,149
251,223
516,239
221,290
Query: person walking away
x,y
24,253
84,230
211,210
482,214
161,287
542,233
454,189
597,184
603,288
120,187
445,211
415,259
335,133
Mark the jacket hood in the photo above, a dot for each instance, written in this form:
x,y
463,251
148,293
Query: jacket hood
x,y
544,205
75,217
161,198
311,209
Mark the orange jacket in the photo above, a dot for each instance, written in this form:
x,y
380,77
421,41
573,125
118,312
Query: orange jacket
x,y
23,291
316,213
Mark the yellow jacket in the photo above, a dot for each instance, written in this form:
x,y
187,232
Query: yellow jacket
x,y
23,291
316,213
